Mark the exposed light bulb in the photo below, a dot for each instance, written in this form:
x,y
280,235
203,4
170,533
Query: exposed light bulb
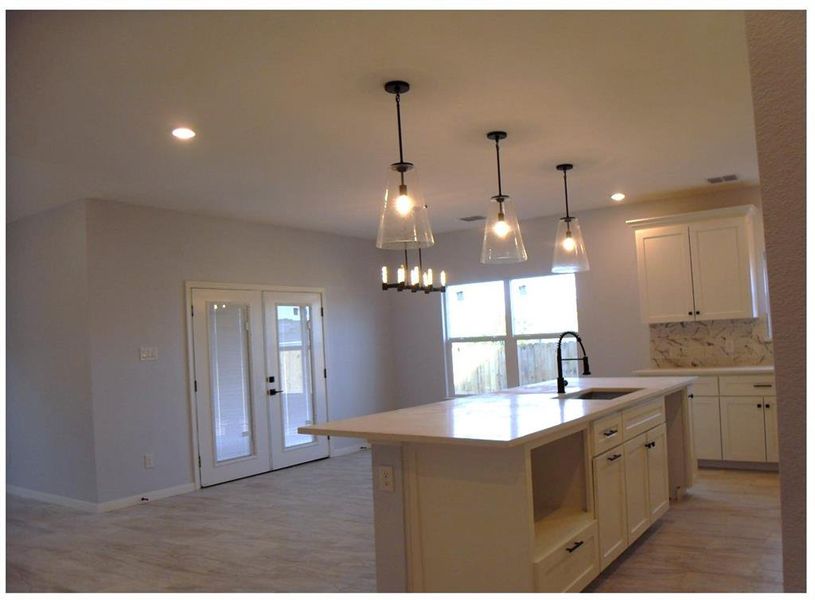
x,y
404,204
501,228
384,274
618,197
568,243
400,274
443,278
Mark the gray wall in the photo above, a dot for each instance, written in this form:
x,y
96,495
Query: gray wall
x,y
607,295
139,259
776,41
49,423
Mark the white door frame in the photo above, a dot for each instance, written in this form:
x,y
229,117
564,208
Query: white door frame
x,y
217,285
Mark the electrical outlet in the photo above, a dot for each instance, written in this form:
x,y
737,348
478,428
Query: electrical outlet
x,y
729,347
385,478
148,353
148,461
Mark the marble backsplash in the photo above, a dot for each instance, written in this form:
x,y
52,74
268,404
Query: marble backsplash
x,y
724,343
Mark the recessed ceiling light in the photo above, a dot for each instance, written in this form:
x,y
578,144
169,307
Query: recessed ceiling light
x,y
183,133
619,196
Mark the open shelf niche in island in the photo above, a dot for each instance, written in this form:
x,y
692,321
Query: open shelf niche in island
x,y
565,528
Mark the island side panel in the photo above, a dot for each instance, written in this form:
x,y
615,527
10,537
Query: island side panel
x,y
681,456
389,520
469,519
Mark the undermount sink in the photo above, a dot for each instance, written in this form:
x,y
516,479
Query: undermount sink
x,y
607,394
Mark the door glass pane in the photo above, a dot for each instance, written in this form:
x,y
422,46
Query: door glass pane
x,y
543,304
537,359
476,310
479,367
294,345
230,380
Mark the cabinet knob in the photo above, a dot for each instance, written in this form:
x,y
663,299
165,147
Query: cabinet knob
x,y
766,406
690,395
758,405
690,313
698,312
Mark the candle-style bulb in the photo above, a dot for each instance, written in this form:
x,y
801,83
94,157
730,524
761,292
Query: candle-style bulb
x,y
443,278
384,274
400,274
430,277
414,276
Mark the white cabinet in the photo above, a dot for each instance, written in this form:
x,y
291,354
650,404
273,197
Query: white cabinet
x,y
657,450
699,266
666,284
707,435
609,486
771,429
743,428
638,513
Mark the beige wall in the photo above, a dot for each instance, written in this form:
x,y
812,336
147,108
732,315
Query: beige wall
x,y
777,46
92,282
49,423
607,295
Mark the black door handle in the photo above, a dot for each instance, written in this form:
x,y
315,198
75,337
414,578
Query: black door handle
x,y
274,392
575,547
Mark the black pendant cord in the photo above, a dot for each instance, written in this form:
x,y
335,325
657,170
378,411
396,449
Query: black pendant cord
x,y
407,265
399,127
498,164
566,194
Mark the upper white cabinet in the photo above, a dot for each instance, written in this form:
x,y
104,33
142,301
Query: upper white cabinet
x,y
697,266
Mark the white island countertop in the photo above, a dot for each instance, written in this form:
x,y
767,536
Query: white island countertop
x,y
508,418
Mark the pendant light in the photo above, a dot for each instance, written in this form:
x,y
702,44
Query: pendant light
x,y
404,223
570,251
502,234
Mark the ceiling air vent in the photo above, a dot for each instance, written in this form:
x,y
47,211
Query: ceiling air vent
x,y
472,218
722,178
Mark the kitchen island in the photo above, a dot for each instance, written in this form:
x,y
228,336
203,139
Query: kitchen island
x,y
525,489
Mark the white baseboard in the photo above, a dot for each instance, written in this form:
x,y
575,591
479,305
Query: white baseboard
x,y
100,506
175,490
22,492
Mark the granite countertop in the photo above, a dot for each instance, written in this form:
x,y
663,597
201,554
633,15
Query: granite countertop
x,y
508,418
747,370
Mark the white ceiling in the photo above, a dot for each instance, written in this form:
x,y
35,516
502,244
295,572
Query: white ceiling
x,y
294,127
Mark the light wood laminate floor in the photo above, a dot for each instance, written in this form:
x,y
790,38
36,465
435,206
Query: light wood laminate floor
x,y
309,528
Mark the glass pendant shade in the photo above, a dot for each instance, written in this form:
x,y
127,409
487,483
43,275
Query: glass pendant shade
x,y
502,235
404,222
570,251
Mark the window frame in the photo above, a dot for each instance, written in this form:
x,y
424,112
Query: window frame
x,y
510,339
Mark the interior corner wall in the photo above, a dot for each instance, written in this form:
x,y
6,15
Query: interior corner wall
x,y
49,421
776,42
607,295
139,259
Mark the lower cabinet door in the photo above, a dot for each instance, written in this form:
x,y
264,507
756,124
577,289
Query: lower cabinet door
x,y
570,567
707,433
743,428
771,428
637,509
609,490
656,445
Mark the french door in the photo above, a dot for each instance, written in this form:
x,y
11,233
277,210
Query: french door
x,y
259,375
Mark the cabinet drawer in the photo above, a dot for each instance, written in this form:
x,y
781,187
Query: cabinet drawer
x,y
747,385
643,417
570,567
705,386
607,432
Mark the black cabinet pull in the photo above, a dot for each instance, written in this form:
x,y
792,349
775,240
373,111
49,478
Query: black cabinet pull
x,y
614,457
690,395
690,313
766,406
575,547
762,385
650,444
698,312
758,405
609,432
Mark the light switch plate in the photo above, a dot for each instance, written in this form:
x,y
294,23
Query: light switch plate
x,y
148,353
